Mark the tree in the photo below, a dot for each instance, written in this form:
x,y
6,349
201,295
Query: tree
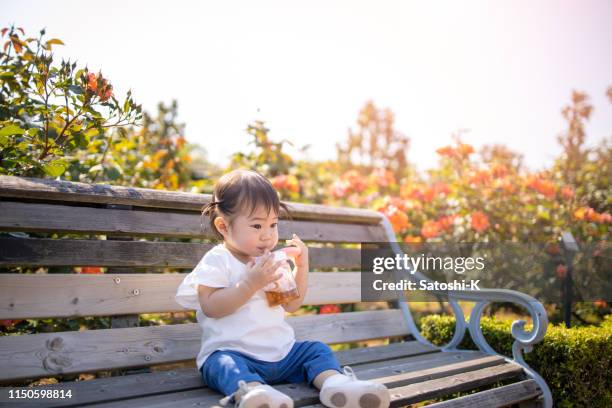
x,y
377,143
48,111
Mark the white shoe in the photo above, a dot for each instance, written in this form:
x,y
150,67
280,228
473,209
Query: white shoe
x,y
346,391
259,396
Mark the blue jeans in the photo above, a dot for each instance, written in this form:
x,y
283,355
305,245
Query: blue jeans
x,y
224,368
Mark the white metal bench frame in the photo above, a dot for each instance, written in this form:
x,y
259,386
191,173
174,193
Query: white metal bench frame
x,y
523,340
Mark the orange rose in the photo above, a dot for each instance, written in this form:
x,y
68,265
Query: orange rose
x,y
339,188
447,151
446,223
465,149
600,303
567,192
430,229
94,270
327,309
542,186
106,93
480,177
92,82
499,170
480,222
397,218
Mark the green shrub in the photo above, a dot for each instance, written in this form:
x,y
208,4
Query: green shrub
x,y
576,363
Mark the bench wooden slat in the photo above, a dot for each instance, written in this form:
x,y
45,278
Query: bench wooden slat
x,y
301,393
31,296
44,354
34,217
495,398
141,385
439,387
77,252
60,190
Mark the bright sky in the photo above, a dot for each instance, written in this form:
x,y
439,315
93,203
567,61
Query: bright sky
x,y
504,70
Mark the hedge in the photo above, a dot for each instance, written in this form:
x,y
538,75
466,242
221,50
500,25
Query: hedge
x,y
576,363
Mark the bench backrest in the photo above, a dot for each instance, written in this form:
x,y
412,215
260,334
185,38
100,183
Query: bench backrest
x,y
133,220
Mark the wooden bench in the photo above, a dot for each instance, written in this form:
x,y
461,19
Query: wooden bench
x,y
413,369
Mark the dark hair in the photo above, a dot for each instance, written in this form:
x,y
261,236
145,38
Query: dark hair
x,y
242,190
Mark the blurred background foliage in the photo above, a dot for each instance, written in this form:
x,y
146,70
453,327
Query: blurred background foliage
x,y
61,121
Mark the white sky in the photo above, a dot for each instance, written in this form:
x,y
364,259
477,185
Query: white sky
x,y
502,69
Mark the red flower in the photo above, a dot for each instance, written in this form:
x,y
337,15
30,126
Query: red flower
x,y
481,177
465,149
9,323
355,180
504,185
446,222
328,309
431,229
106,89
605,218
288,182
447,151
480,222
441,188
339,188
92,82
561,271
383,177
542,186
107,93
499,170
94,270
600,303
397,217
567,192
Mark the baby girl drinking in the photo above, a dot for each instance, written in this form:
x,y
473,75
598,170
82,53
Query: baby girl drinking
x,y
247,345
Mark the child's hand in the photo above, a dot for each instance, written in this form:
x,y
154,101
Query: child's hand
x,y
302,259
262,272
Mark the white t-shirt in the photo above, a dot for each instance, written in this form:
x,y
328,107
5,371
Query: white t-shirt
x,y
255,329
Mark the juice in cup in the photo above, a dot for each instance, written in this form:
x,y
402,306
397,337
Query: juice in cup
x,y
284,289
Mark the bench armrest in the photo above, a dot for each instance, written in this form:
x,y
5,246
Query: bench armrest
x,y
523,339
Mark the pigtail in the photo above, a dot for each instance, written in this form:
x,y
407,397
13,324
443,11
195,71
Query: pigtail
x,y
210,210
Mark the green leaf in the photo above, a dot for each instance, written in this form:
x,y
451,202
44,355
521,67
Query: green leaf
x,y
55,168
91,132
11,130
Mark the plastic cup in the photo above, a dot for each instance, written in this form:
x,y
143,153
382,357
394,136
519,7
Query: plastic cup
x,y
285,288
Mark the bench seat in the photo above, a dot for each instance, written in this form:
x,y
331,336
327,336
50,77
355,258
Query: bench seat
x,y
412,373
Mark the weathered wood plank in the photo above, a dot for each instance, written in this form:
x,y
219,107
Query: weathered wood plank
x,y
32,217
438,387
141,385
30,296
300,393
75,252
36,355
496,397
61,190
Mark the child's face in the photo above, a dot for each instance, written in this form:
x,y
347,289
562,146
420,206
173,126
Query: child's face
x,y
251,236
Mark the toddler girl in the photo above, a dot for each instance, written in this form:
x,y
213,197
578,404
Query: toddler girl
x,y
246,344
